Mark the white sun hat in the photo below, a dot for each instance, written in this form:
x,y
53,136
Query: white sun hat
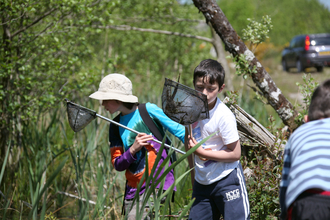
x,y
115,86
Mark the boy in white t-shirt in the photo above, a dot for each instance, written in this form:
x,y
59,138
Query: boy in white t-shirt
x,y
219,187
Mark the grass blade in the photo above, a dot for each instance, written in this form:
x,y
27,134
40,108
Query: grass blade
x,y
5,162
48,183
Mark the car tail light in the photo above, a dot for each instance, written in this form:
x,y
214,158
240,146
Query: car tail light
x,y
307,43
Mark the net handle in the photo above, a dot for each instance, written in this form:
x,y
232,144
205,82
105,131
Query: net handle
x,y
123,126
136,132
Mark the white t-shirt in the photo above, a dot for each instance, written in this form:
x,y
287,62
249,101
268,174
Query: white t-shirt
x,y
222,121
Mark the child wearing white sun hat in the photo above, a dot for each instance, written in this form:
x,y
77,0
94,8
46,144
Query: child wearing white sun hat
x,y
115,87
129,150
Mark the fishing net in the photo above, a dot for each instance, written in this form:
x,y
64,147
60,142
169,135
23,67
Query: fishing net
x,y
183,104
79,116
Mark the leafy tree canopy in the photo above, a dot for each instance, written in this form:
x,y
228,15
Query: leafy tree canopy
x,y
289,18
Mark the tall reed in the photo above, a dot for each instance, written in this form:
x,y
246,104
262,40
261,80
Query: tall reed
x,y
67,174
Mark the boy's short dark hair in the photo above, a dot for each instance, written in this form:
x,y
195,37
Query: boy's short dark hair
x,y
211,69
320,102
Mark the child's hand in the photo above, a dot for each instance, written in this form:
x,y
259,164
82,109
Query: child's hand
x,y
141,140
191,142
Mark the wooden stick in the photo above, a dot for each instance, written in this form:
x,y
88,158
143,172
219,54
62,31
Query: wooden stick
x,y
190,157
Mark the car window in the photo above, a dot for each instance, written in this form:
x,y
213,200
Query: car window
x,y
300,42
293,42
320,41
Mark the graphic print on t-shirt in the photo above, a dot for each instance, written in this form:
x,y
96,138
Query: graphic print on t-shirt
x,y
197,134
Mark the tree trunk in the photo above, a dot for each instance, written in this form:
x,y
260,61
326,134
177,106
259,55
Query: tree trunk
x,y
236,47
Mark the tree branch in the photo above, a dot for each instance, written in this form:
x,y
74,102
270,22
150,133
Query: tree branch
x,y
43,31
14,19
171,19
130,28
34,22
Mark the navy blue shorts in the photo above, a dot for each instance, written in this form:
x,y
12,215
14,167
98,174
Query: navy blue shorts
x,y
227,197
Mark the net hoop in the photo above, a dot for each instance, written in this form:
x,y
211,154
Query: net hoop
x,y
183,104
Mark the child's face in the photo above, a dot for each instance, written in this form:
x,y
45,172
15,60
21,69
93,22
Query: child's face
x,y
210,90
112,106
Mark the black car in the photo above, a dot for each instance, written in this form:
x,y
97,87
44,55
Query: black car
x,y
312,50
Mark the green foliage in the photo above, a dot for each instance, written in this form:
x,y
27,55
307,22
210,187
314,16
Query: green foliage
x,y
54,49
306,89
147,58
288,17
263,187
237,12
264,166
243,66
256,32
44,55
295,21
50,216
232,96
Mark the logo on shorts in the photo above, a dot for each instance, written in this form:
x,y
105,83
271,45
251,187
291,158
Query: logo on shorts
x,y
232,195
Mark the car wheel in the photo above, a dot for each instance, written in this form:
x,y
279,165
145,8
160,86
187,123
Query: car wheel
x,y
299,66
285,66
319,69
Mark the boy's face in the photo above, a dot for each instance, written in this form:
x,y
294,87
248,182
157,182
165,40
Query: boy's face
x,y
112,106
210,90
